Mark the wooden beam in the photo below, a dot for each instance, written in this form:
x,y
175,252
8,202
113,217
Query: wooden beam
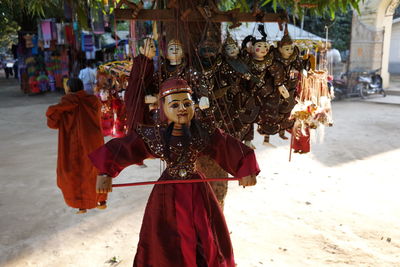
x,y
168,15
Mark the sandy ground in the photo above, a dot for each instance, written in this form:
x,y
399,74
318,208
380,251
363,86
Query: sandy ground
x,y
337,206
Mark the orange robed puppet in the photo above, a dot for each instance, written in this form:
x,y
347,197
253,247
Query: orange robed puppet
x,y
77,117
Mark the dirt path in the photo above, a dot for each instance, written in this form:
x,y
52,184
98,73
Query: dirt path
x,y
337,206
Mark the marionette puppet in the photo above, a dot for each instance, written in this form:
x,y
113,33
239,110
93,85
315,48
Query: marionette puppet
x,y
141,89
175,66
207,67
312,111
77,118
286,69
118,106
183,224
259,63
232,113
103,92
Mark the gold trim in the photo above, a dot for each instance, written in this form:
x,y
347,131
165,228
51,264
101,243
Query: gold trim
x,y
175,90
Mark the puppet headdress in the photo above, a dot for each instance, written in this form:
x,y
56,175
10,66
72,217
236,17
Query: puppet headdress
x,y
174,42
286,40
173,86
229,40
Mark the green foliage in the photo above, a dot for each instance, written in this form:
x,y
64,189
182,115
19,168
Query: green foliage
x,y
339,29
8,35
324,8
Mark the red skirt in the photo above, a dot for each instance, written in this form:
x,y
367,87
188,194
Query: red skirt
x,y
183,225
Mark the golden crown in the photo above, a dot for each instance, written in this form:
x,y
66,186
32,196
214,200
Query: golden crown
x,y
175,42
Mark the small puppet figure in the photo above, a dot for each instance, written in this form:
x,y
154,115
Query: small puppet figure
x,y
207,66
259,63
182,224
175,65
141,88
77,118
118,106
103,92
286,70
232,113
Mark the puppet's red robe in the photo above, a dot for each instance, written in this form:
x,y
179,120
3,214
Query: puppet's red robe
x,y
77,117
120,119
141,83
301,142
183,225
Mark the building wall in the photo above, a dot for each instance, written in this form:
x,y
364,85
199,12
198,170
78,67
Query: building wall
x,y
394,57
377,15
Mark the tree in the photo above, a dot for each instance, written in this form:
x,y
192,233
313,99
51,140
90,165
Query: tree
x,y
339,28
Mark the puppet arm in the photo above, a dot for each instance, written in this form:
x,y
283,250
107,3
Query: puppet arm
x,y
234,157
119,153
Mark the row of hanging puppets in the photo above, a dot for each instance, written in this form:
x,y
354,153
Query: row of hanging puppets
x,y
238,86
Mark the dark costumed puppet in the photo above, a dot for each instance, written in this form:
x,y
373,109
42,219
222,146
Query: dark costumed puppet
x,y
183,224
286,70
259,89
235,111
207,65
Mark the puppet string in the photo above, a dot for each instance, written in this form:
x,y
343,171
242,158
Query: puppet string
x,y
177,181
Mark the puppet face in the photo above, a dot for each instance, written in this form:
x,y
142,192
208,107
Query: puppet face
x,y
178,108
148,49
260,50
232,50
104,95
175,54
286,50
208,49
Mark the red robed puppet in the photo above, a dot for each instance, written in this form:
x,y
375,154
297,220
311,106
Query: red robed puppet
x,y
141,84
183,224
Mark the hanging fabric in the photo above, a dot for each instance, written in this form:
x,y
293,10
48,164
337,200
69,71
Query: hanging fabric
x,y
54,33
47,32
60,33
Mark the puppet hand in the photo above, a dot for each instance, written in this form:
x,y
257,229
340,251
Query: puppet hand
x,y
103,184
149,99
284,92
204,103
248,180
304,73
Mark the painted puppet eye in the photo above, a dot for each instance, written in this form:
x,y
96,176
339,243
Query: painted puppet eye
x,y
188,104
